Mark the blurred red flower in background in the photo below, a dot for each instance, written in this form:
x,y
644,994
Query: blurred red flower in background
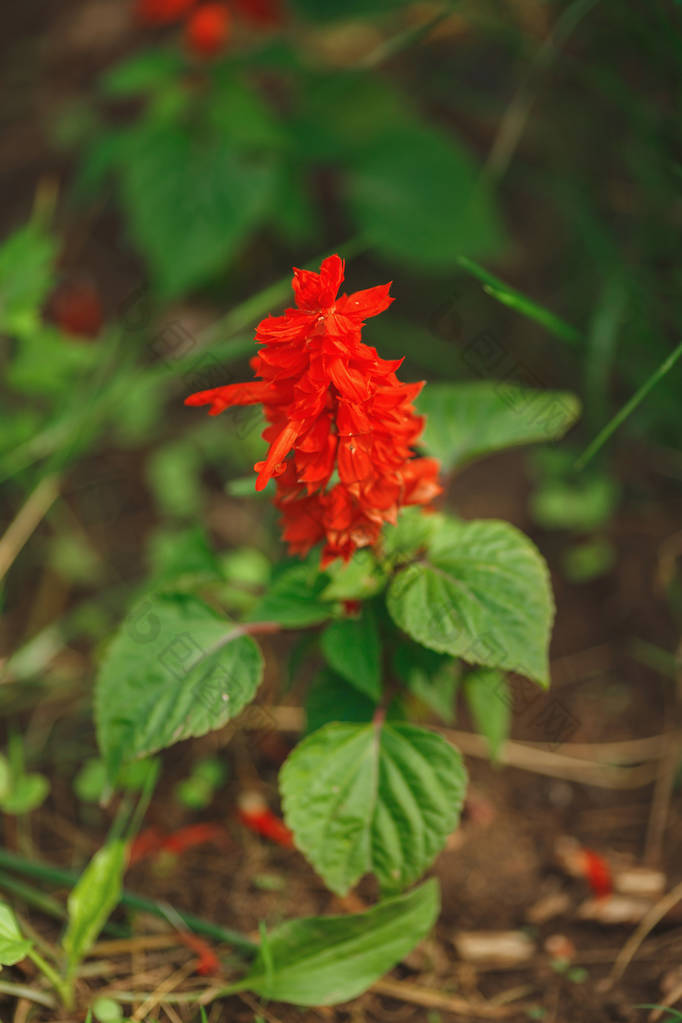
x,y
208,29
208,26
265,13
339,410
77,309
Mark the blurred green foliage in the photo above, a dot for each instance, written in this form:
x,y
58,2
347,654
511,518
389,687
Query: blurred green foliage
x,y
207,163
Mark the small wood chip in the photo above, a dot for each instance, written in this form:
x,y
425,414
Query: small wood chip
x,y
615,909
548,907
505,947
640,882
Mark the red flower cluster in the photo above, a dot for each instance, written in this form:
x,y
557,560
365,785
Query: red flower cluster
x,y
208,25
341,413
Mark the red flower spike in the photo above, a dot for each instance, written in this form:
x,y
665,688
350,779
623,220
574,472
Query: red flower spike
x,y
332,404
162,12
208,29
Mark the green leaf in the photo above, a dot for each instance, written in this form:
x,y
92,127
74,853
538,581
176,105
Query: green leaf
x,y
487,694
326,960
358,579
412,533
197,791
106,151
92,900
26,261
191,203
483,594
143,72
106,1010
174,475
331,698
416,195
47,363
13,946
294,598
246,566
339,114
432,677
584,504
91,785
238,115
294,214
182,554
380,798
465,421
5,777
352,648
28,792
584,562
175,669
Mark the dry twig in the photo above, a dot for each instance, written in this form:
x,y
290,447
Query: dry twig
x,y
629,949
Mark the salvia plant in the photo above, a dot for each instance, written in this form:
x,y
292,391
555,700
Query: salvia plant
x,y
405,604
387,608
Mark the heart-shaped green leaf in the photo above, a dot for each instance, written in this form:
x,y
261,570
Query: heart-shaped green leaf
x,y
175,669
379,798
482,593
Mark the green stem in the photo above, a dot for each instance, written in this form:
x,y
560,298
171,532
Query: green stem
x,y
68,878
64,988
620,416
145,799
396,44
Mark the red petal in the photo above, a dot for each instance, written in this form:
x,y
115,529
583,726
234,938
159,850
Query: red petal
x,y
331,278
279,449
349,382
363,304
354,461
220,398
